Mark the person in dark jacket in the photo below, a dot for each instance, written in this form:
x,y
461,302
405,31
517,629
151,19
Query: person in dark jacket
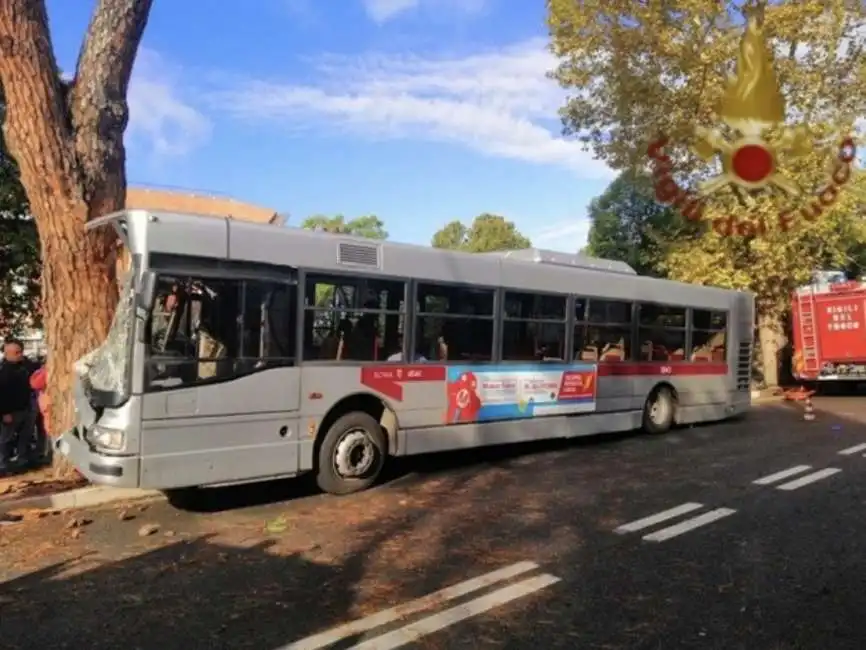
x,y
17,416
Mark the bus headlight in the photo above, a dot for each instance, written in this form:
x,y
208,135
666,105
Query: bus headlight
x,y
107,438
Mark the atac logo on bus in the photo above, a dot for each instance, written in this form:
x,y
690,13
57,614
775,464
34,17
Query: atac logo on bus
x,y
753,108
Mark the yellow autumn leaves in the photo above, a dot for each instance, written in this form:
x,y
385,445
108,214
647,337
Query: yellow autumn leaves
x,y
635,71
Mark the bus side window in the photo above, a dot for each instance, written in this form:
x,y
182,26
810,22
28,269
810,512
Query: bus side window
x,y
662,332
454,323
708,335
534,327
605,334
352,318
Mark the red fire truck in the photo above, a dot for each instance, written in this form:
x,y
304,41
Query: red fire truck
x,y
829,328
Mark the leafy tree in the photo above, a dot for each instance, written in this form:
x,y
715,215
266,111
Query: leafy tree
x,y
19,252
629,225
486,234
67,138
638,70
19,273
369,226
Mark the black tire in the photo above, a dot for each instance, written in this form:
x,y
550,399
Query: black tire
x,y
659,411
367,437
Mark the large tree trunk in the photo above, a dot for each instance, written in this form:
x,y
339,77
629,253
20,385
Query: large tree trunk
x,y
68,142
770,339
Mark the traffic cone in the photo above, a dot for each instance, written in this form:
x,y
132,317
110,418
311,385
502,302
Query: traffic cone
x,y
809,412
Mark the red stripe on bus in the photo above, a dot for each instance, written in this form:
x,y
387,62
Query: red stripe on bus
x,y
389,379
653,368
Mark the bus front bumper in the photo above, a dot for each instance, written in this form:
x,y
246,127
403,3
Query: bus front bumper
x,y
98,468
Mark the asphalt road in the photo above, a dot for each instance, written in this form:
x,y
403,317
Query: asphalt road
x,y
742,535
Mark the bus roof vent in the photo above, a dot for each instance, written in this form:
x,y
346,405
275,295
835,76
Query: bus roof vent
x,y
556,258
355,254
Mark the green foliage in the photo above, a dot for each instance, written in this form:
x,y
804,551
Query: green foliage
x,y
486,234
629,225
20,266
369,226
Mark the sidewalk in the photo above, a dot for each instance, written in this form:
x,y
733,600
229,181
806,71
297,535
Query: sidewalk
x,y
36,482
39,490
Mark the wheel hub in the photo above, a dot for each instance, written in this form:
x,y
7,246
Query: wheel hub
x,y
659,411
354,455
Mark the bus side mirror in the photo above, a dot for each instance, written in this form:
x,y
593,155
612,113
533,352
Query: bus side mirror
x,y
146,292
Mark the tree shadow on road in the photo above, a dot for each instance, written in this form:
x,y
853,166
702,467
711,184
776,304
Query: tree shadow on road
x,y
186,594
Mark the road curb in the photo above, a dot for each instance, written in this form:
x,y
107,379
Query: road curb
x,y
80,498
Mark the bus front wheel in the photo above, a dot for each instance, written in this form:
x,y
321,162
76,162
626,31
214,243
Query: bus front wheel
x,y
659,410
351,455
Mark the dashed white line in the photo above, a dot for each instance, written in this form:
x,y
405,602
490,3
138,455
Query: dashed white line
x,y
809,478
850,451
785,473
658,518
438,598
689,525
436,622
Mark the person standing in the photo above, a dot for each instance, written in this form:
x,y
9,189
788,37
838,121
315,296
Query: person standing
x,y
39,385
17,416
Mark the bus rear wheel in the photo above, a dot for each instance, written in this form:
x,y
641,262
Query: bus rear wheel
x,y
352,454
659,410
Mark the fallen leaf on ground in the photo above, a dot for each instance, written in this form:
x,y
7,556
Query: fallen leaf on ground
x,y
78,522
134,599
148,529
278,525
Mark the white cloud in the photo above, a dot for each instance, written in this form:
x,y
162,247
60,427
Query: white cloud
x,y
381,11
567,236
159,118
499,103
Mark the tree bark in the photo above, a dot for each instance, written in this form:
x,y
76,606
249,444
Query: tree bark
x,y
770,336
68,141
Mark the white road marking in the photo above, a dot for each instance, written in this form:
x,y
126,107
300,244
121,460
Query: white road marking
x,y
853,450
785,473
456,614
332,636
809,478
688,525
658,518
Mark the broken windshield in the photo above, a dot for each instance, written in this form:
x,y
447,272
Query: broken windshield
x,y
105,369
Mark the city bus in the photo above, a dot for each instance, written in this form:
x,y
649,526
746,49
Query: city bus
x,y
242,352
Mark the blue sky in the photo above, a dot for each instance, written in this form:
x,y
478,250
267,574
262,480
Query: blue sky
x,y
418,111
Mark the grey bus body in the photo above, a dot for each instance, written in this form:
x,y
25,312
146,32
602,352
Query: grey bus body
x,y
255,396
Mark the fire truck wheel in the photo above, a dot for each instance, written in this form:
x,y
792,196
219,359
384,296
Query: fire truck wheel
x,y
658,411
351,455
